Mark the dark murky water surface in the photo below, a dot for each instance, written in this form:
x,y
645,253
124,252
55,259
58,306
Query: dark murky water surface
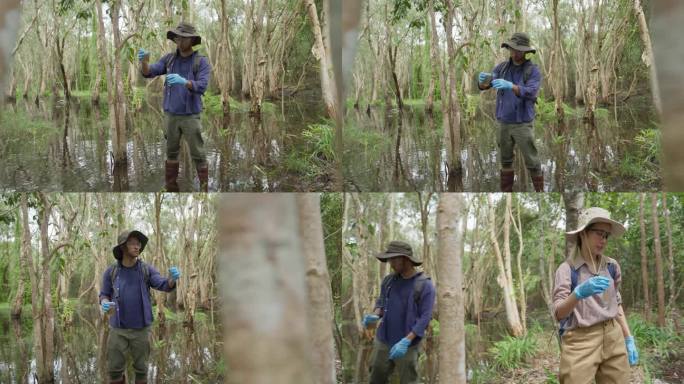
x,y
176,354
412,154
71,150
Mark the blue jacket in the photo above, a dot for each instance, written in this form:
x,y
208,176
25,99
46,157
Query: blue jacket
x,y
417,314
511,108
133,308
178,99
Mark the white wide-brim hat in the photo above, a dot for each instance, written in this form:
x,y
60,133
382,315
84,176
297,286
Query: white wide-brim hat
x,y
595,215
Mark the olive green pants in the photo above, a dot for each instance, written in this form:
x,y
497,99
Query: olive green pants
x,y
190,128
124,342
596,352
382,367
521,135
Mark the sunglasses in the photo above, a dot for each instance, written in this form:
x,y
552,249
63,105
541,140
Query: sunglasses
x,y
603,234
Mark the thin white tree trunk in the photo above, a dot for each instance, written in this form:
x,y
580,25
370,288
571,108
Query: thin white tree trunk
x,y
265,305
449,290
319,290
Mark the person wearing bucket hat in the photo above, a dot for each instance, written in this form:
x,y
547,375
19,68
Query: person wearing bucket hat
x,y
596,342
404,309
187,77
517,82
125,294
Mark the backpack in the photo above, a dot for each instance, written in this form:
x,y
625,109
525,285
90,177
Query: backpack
x,y
171,57
115,273
503,68
574,276
418,286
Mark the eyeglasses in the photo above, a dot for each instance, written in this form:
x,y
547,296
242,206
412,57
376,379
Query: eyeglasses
x,y
603,234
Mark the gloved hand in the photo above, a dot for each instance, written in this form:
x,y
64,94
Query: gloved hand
x,y
175,273
632,353
593,286
369,319
107,305
176,79
502,84
142,54
483,76
399,349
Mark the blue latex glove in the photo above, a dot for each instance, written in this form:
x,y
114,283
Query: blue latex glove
x,y
399,349
175,79
632,353
107,305
502,84
369,319
175,273
593,286
483,76
142,53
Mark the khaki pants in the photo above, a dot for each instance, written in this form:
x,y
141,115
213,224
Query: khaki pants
x,y
122,342
190,127
382,367
596,352
521,135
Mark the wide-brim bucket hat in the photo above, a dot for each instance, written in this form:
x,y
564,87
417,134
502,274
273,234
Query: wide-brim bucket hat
x,y
185,30
520,41
593,215
123,238
396,249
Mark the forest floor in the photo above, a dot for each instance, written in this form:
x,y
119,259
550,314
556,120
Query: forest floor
x,y
655,366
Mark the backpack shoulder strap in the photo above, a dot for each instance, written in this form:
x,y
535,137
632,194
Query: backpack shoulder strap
x,y
385,287
170,58
196,64
612,269
527,70
502,67
113,273
574,276
418,286
146,272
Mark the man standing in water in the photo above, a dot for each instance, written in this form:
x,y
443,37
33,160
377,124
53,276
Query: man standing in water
x,y
517,82
187,78
405,306
126,290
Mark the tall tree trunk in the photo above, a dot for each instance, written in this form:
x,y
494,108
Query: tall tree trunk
x,y
117,103
319,291
452,129
160,256
10,19
25,256
660,285
437,64
670,255
574,202
264,290
43,315
522,303
644,258
322,53
556,70
647,56
505,276
667,27
449,290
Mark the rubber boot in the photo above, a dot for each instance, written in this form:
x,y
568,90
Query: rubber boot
x,y
538,182
172,175
507,180
203,176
